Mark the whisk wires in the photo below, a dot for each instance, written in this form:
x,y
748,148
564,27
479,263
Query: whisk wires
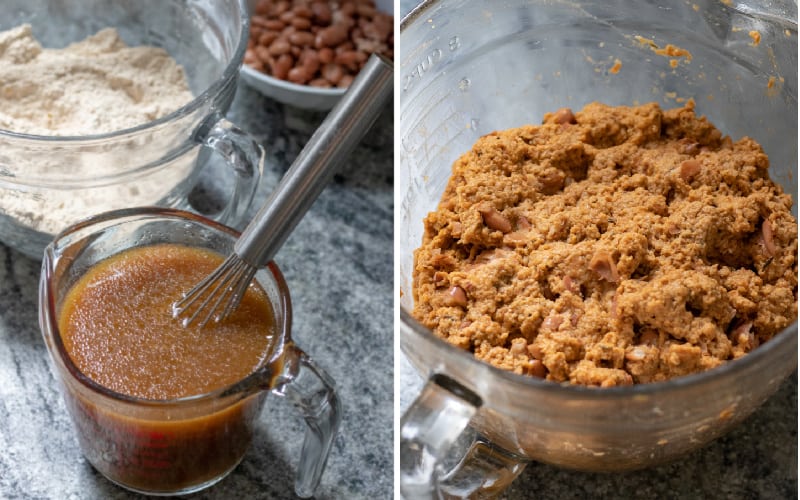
x,y
218,294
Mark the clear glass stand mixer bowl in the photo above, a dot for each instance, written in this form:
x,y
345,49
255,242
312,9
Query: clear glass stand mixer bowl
x,y
472,67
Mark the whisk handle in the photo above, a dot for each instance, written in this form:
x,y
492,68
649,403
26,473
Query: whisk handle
x,y
327,149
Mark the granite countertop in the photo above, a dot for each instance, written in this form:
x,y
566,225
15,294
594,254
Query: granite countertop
x,y
338,264
758,459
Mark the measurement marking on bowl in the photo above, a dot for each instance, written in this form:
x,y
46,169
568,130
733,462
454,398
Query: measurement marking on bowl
x,y
435,142
433,58
418,127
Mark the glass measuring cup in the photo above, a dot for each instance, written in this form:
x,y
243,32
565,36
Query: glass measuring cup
x,y
472,67
172,447
49,182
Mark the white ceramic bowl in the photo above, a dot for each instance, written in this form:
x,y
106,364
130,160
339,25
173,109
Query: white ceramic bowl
x,y
300,96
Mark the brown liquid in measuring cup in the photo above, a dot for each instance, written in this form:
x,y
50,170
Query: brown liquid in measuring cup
x,y
117,327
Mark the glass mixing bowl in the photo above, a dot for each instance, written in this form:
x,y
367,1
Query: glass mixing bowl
x,y
471,67
49,182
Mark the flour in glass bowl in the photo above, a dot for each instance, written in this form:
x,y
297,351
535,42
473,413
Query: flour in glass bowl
x,y
94,86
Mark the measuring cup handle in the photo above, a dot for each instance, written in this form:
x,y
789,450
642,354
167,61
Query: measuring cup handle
x,y
428,430
311,391
244,155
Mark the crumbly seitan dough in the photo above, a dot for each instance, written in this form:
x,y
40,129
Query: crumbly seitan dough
x,y
612,246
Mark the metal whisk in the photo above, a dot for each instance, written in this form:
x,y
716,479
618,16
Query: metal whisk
x,y
219,294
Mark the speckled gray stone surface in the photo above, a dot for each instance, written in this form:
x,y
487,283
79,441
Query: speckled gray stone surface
x,y
758,459
338,264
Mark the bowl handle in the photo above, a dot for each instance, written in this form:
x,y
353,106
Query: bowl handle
x,y
311,392
428,431
244,155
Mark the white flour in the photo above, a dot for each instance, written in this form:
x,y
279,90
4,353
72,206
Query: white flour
x,y
94,86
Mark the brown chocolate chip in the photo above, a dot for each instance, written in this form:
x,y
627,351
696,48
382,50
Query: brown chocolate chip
x,y
767,238
495,220
563,115
537,369
689,169
604,266
535,350
457,296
